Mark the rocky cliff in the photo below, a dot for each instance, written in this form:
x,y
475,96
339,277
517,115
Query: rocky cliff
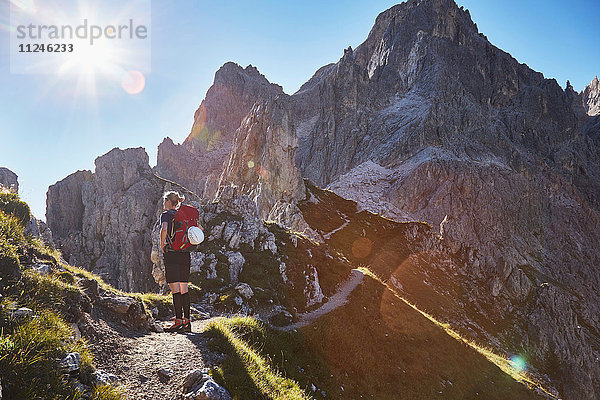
x,y
199,161
427,120
591,97
103,220
9,179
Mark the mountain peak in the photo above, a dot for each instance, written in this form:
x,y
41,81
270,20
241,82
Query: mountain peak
x,y
441,18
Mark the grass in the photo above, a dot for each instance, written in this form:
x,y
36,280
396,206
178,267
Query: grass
x,y
28,354
246,373
30,346
150,300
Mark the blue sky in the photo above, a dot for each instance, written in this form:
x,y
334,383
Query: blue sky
x,y
47,131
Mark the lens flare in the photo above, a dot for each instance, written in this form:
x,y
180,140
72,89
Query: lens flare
x,y
518,363
25,5
133,82
263,173
362,247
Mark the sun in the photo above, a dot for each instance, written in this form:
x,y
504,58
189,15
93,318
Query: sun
x,y
92,59
108,46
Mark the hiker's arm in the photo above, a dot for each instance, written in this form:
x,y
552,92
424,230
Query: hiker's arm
x,y
163,235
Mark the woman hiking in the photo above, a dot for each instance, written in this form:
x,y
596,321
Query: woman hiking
x,y
177,265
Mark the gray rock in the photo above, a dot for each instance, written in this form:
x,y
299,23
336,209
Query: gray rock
x,y
236,263
91,228
9,179
211,390
101,377
198,385
42,269
71,362
130,311
245,290
38,228
194,378
22,312
118,304
165,373
591,97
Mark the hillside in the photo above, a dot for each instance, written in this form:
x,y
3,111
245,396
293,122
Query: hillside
x,y
125,354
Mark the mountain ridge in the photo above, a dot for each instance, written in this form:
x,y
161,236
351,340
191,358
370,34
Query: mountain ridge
x,y
427,120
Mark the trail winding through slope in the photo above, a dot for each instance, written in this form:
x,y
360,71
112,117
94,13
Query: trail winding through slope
x,y
338,299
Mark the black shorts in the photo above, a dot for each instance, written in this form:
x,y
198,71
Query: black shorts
x,y
177,266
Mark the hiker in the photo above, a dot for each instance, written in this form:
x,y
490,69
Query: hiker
x,y
177,264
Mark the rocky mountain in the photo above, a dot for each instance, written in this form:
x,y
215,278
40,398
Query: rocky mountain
x,y
103,220
424,121
198,162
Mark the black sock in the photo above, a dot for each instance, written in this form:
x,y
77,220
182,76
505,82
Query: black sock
x,y
177,303
186,304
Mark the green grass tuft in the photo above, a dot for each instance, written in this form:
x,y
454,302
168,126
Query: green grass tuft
x,y
11,205
107,392
245,372
28,358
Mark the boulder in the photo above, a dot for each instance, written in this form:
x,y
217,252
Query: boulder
x,y
199,385
101,377
71,362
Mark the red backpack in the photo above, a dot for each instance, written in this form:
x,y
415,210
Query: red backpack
x,y
185,217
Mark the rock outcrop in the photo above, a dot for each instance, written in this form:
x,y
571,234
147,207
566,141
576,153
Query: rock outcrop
x,y
591,97
427,120
103,220
247,265
262,164
228,101
9,179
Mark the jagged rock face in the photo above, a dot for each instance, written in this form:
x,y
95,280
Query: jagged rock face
x,y
64,204
103,220
262,163
252,266
176,163
591,97
401,91
427,119
228,101
9,179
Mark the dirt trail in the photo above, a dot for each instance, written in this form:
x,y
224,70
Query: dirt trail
x,y
338,299
136,359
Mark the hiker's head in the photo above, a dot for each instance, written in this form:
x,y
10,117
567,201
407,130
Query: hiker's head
x,y
172,199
